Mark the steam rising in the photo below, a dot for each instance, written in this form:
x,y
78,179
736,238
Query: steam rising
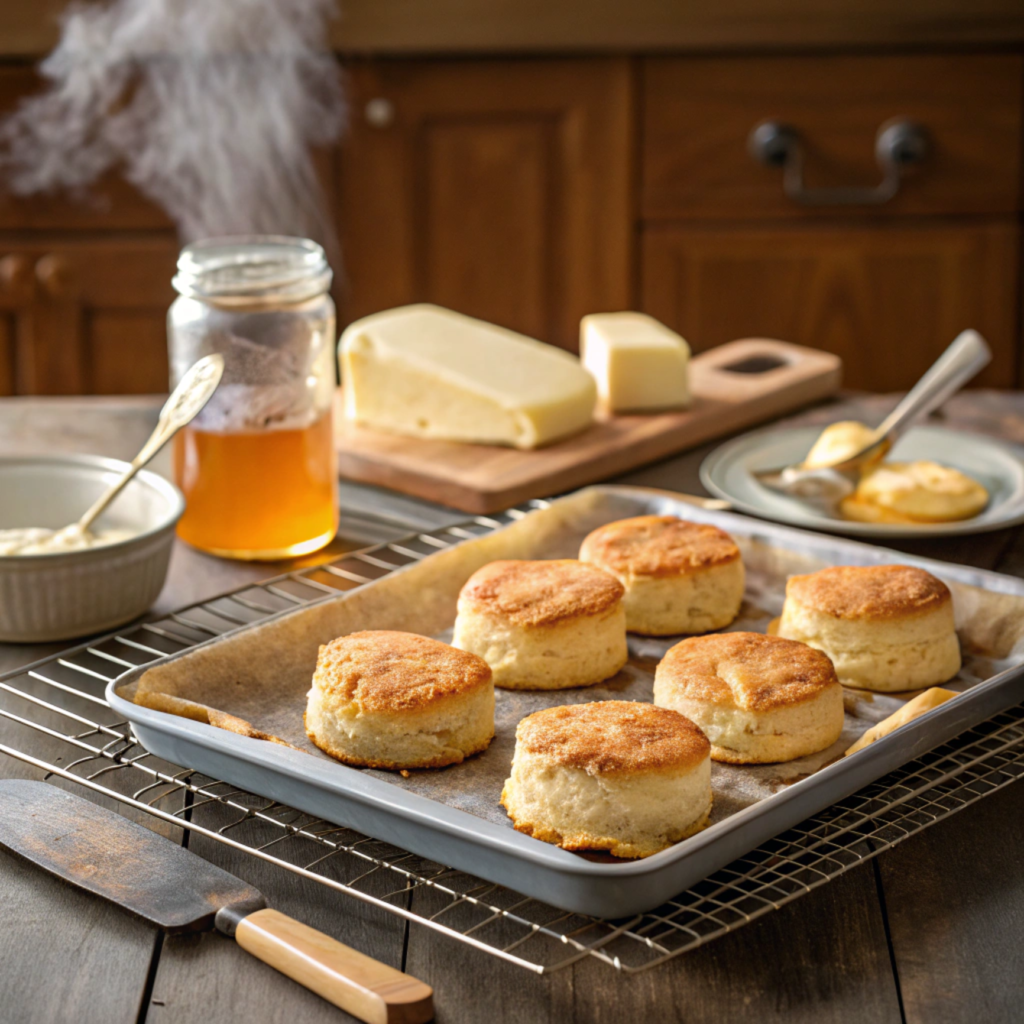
x,y
209,107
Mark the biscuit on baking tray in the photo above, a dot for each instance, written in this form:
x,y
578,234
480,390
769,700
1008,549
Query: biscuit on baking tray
x,y
759,699
383,699
543,625
885,627
680,577
614,775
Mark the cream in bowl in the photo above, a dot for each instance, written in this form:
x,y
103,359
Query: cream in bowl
x,y
38,540
56,583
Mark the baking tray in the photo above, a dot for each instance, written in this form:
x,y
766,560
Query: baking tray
x,y
390,808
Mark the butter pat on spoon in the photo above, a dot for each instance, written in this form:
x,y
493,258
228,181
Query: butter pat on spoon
x,y
825,483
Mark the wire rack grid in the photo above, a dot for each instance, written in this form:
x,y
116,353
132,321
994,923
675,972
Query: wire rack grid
x,y
63,726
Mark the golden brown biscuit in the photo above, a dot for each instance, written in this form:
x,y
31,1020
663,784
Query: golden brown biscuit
x,y
383,699
885,627
758,698
680,577
620,776
543,625
540,593
870,591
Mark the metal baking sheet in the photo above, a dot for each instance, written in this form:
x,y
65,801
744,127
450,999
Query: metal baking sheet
x,y
260,673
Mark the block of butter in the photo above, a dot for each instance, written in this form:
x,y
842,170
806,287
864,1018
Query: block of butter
x,y
430,372
637,362
923,702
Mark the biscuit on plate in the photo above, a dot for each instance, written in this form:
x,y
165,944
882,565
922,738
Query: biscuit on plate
x,y
759,699
383,699
614,775
680,577
545,625
885,627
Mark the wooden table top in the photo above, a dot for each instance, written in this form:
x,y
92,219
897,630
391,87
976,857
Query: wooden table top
x,y
927,932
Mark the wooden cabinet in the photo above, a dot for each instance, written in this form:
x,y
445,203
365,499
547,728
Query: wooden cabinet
x,y
84,316
725,252
84,285
497,188
886,298
110,205
698,114
531,191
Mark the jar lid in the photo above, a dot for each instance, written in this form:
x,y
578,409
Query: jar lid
x,y
246,270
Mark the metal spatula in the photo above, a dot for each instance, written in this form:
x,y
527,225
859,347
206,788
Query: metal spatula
x,y
826,486
106,854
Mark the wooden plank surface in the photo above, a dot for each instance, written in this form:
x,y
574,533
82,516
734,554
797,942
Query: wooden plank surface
x,y
729,393
204,978
955,898
951,920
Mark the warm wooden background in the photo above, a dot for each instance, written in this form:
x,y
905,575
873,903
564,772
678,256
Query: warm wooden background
x,y
612,172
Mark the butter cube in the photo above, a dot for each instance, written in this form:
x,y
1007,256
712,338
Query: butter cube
x,y
429,372
637,363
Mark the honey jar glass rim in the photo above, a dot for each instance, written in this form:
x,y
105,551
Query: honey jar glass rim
x,y
252,270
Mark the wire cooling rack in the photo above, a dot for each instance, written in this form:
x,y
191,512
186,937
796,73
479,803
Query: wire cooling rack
x,y
63,726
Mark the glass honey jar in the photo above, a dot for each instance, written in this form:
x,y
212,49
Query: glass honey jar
x,y
257,466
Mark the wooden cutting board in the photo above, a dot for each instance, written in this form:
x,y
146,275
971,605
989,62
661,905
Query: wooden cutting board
x,y
736,385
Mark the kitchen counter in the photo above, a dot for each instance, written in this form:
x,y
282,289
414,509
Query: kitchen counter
x,y
927,932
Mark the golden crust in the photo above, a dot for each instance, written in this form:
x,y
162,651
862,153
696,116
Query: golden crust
x,y
658,546
869,592
580,841
383,671
441,761
541,593
609,737
746,670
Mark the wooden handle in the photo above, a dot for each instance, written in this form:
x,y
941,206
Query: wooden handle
x,y
356,983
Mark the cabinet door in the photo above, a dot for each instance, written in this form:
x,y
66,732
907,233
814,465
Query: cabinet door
x,y
497,188
111,203
86,317
886,298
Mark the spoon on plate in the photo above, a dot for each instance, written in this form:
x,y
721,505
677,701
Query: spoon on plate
x,y
185,403
825,486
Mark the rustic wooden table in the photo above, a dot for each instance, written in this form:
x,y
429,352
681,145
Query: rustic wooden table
x,y
928,932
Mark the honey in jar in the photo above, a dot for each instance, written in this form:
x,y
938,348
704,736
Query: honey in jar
x,y
257,465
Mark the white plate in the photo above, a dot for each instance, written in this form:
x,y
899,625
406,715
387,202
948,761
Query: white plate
x,y
999,467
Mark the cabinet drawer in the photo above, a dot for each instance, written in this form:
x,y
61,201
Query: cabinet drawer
x,y
886,298
698,115
85,315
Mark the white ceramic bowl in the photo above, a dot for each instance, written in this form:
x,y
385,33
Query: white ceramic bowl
x,y
71,594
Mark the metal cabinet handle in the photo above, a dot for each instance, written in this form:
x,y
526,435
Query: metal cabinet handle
x,y
898,144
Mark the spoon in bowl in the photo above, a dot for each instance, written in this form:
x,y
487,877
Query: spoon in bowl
x,y
825,486
184,404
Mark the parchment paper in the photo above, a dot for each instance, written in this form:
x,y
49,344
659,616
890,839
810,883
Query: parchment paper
x,y
255,681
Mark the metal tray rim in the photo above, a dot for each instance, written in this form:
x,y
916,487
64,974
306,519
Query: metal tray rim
x,y
840,779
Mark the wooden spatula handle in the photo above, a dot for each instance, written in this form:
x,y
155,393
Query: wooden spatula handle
x,y
358,984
